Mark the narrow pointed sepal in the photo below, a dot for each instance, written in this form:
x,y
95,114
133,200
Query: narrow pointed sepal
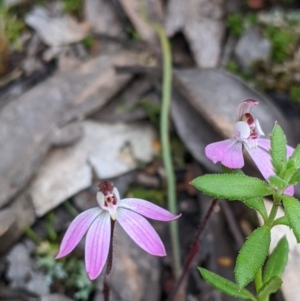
x,y
140,230
76,230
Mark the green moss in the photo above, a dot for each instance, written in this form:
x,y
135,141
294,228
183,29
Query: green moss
x,y
234,22
73,6
282,40
295,94
13,26
238,23
280,72
68,271
152,109
232,66
88,42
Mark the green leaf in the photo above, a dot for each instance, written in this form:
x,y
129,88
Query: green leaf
x,y
292,211
225,286
296,157
278,149
291,164
270,287
295,178
281,221
258,205
231,186
252,255
289,173
277,182
277,261
225,169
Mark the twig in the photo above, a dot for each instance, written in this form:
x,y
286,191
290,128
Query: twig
x,y
193,251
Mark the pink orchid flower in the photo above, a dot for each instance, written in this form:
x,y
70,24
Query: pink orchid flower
x,y
247,132
97,223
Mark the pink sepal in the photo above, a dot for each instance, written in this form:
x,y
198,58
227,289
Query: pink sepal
x,y
140,230
148,209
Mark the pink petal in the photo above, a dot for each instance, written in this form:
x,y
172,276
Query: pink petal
x,y
262,159
140,230
245,107
266,144
234,156
289,191
97,245
148,209
289,150
76,230
228,152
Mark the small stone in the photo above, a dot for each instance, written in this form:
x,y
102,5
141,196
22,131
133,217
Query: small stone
x,y
23,274
19,265
251,47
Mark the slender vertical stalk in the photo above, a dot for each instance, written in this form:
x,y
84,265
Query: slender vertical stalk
x,y
106,286
193,251
165,141
272,215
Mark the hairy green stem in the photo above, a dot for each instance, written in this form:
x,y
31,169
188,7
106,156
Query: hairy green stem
x,y
165,141
272,215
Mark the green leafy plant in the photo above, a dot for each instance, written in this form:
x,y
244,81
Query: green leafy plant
x,y
13,26
238,23
73,6
282,40
295,94
280,72
253,263
70,271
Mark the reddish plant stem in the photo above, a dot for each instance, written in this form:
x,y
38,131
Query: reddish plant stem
x,y
106,286
193,251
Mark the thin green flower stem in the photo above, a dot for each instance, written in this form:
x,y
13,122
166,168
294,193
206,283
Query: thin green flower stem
x,y
165,141
258,278
277,196
272,215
